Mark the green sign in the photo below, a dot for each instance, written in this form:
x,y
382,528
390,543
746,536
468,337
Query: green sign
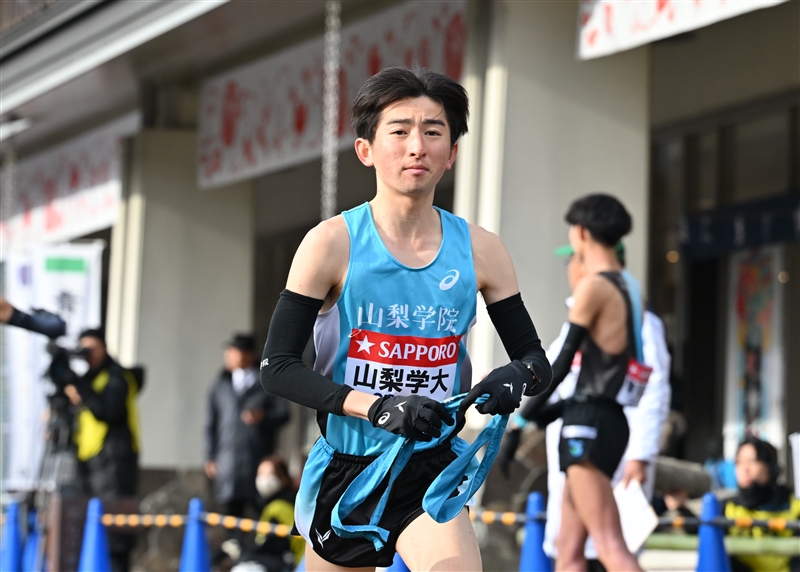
x,y
65,265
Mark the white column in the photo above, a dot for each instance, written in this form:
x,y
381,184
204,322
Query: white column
x,y
482,342
570,128
188,287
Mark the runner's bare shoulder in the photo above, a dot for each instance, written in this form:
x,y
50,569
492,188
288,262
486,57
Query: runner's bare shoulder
x,y
494,270
320,263
591,294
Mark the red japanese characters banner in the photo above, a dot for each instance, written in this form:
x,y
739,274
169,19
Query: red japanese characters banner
x,y
68,191
609,26
268,115
402,365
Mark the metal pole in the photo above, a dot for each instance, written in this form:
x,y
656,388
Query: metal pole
x,y
330,111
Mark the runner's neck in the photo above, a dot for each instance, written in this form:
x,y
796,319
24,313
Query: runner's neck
x,y
406,219
598,258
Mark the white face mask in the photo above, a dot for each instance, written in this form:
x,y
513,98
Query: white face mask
x,y
268,485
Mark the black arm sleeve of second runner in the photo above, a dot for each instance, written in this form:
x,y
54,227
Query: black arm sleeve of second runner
x,y
519,337
561,367
283,372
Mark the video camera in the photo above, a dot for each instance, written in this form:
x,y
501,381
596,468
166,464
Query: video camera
x,y
59,370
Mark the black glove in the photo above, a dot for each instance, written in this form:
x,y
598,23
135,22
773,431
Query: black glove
x,y
505,386
507,450
415,416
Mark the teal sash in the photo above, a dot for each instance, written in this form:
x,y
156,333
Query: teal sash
x,y
437,501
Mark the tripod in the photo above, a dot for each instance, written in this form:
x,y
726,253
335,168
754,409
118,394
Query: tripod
x,y
59,467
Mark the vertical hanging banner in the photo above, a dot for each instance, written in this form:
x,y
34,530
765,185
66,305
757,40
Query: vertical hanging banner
x,y
754,387
609,26
63,279
67,191
268,115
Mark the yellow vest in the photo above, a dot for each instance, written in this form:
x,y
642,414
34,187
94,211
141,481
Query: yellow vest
x,y
282,512
765,562
90,433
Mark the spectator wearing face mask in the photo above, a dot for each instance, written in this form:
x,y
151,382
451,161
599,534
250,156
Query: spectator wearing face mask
x,y
274,553
107,432
761,497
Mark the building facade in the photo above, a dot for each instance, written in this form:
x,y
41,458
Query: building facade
x,y
212,202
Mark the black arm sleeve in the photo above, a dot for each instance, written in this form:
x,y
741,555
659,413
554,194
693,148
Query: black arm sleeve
x,y
519,337
283,372
42,322
561,367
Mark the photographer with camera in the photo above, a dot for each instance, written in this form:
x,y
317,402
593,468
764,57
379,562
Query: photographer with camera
x,y
41,321
106,431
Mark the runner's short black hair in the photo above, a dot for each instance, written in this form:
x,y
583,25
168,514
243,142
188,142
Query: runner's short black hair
x,y
397,83
603,216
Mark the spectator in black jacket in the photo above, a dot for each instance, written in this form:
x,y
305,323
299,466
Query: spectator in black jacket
x,y
242,426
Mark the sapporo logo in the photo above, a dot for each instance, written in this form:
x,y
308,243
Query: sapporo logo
x,y
449,280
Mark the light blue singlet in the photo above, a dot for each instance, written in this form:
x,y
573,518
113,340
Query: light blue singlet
x,y
400,331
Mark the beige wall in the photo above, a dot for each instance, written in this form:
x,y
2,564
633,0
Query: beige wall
x,y
565,128
195,287
729,62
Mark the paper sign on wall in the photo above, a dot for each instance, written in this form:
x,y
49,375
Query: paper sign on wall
x,y
68,191
609,26
268,115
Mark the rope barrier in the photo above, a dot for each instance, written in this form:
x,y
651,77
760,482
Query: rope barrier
x,y
486,516
774,524
246,524
210,518
507,518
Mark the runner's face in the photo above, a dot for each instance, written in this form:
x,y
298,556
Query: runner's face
x,y
578,238
411,149
575,271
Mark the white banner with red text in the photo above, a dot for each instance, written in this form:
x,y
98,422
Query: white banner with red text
x,y
268,115
68,191
609,26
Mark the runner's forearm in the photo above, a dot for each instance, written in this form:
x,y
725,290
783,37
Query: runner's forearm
x,y
283,372
561,368
519,337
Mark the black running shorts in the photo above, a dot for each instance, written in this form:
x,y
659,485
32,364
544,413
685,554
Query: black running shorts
x,y
404,505
595,431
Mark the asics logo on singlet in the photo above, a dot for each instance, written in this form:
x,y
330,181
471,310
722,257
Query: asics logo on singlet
x,y
509,386
449,280
400,406
264,362
384,418
321,538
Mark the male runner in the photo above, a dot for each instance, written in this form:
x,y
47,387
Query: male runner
x,y
595,431
646,420
389,289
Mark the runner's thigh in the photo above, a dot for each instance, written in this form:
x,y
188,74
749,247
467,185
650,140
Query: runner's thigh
x,y
427,545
